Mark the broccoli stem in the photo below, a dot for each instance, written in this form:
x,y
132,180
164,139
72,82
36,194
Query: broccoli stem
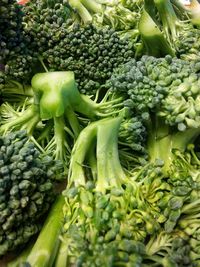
x,y
14,91
93,6
154,41
162,141
57,94
79,153
168,17
45,248
73,121
28,120
53,90
81,10
110,173
61,145
62,256
193,10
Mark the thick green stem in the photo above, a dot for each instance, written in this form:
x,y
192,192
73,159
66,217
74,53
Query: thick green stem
x,y
181,140
154,41
62,256
92,5
81,10
45,249
54,90
109,170
159,142
79,153
169,19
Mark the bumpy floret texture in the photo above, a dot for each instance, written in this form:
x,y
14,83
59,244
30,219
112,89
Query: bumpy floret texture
x,y
91,53
45,22
10,28
132,212
162,83
25,187
188,44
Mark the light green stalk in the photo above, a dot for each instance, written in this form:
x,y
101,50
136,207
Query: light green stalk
x,y
46,246
153,39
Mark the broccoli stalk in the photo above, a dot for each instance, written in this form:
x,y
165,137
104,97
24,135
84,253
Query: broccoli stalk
x,y
108,169
153,39
193,10
22,257
14,91
85,9
46,246
163,141
170,22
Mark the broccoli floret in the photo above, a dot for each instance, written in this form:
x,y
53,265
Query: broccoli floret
x,y
168,250
164,92
103,205
26,189
91,53
11,37
64,43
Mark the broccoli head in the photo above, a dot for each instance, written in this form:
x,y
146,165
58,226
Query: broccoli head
x,y
26,189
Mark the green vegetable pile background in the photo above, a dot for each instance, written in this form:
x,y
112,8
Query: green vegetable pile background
x,y
99,133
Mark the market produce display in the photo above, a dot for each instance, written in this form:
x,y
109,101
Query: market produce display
x,y
99,133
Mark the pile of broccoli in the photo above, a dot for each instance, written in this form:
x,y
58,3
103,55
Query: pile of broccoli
x,y
102,98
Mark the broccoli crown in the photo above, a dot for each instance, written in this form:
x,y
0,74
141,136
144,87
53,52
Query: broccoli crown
x,y
168,85
17,56
91,53
20,66
45,23
11,37
26,189
181,106
129,214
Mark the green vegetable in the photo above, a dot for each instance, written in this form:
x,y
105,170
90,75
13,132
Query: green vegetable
x,y
153,39
57,101
26,190
45,248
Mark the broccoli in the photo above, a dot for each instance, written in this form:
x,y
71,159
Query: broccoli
x,y
86,8
64,43
168,250
109,206
51,116
154,41
165,30
193,11
11,37
26,189
17,59
164,91
182,36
